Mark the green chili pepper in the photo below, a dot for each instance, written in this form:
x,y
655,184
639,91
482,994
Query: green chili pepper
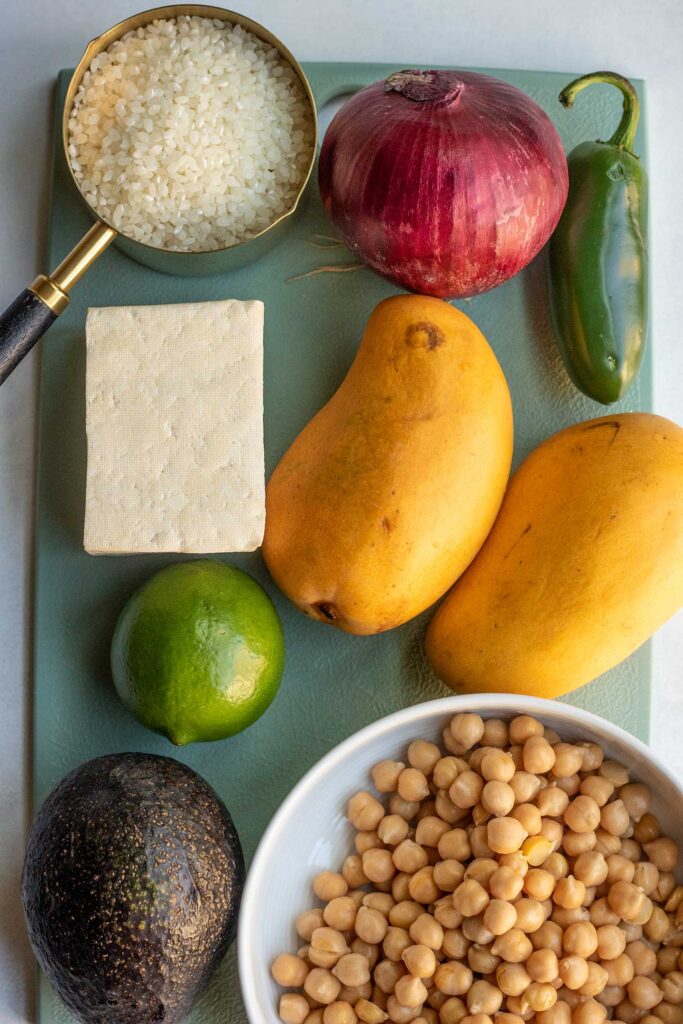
x,y
598,256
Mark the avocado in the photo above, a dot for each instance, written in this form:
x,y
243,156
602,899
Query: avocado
x,y
131,884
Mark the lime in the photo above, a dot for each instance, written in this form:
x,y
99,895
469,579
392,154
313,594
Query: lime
x,y
198,652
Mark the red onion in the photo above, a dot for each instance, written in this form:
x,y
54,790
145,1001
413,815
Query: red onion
x,y
445,182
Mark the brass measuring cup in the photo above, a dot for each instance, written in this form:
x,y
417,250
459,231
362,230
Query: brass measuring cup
x,y
39,305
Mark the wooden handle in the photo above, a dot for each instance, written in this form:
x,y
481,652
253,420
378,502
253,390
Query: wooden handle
x,y
21,325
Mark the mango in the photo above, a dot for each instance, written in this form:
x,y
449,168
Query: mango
x,y
584,563
388,493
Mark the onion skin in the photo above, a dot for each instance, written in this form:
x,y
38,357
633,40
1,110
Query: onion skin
x,y
445,182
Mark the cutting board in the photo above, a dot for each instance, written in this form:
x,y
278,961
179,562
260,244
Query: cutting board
x,y
334,683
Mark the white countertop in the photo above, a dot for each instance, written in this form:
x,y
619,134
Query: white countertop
x,y
39,37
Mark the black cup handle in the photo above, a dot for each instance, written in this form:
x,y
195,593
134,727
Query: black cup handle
x,y
21,325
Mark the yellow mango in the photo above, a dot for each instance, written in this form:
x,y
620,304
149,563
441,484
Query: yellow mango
x,y
584,563
388,493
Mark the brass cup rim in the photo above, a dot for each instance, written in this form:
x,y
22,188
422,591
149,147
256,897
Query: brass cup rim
x,y
103,41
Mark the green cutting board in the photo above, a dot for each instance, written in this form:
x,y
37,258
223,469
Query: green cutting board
x,y
334,683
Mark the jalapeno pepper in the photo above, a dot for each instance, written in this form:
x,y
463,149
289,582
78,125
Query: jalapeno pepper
x,y
598,256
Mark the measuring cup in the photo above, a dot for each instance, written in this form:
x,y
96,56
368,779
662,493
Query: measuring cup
x,y
39,305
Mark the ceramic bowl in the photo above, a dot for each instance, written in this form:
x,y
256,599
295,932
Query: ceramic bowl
x,y
310,832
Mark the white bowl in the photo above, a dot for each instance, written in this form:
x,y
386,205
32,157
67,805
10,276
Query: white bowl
x,y
310,832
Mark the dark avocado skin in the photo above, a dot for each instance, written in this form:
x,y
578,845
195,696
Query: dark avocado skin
x,y
131,885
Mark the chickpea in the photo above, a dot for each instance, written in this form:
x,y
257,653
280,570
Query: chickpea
x,y
505,884
589,1012
611,995
410,991
596,981
507,1018
445,772
553,831
452,1011
644,993
514,946
481,869
666,886
446,914
497,766
669,1013
505,835
582,814
581,938
370,925
378,865
364,811
560,1013
569,893
403,914
369,1013
628,901
339,1013
454,845
529,817
498,797
474,929
636,798
401,1014
539,997
322,986
525,786
484,998
522,727
662,852
453,978
576,843
647,829
591,868
573,970
289,971
601,912
542,965
352,871
408,856
420,961
481,959
645,876
477,1018
422,887
667,960
517,861
593,756
552,801
339,913
630,849
429,830
404,808
672,987
620,970
293,1008
598,788
570,785
548,936
606,843
369,950
387,973
568,760
614,771
423,755
633,932
614,818
628,1013
657,926
455,944
448,874
512,979
400,887
611,942
470,898
366,841
392,829
467,730
328,940
307,922
566,917
466,790
500,916
395,942
530,915
412,785
538,756
352,970
315,1016
426,931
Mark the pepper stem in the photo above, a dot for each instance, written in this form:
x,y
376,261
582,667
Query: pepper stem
x,y
625,134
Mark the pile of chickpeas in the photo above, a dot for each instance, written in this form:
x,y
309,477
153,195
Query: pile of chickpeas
x,y
516,877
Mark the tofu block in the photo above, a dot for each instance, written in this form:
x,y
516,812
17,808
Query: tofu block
x,y
174,420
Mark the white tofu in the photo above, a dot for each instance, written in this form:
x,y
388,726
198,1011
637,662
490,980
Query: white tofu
x,y
174,418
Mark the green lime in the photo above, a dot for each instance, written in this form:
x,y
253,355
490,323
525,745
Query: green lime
x,y
198,652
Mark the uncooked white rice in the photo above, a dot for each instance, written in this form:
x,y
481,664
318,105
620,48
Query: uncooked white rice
x,y
190,134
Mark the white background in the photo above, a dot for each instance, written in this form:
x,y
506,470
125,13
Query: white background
x,y
38,37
